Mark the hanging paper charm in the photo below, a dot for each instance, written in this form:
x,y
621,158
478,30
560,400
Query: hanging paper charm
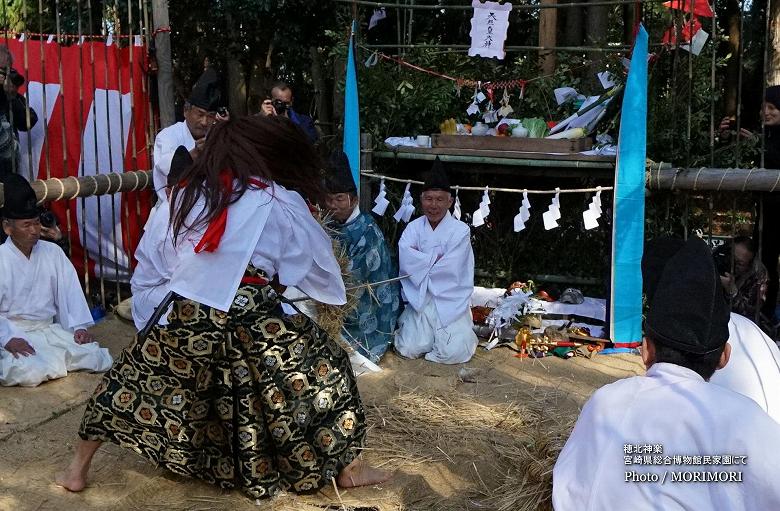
x,y
481,214
553,213
456,209
489,26
505,109
381,202
406,209
591,215
525,213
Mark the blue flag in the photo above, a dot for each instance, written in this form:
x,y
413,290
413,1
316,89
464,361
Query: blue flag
x,y
629,211
352,112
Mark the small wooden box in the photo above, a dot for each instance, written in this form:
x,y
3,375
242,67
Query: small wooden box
x,y
494,143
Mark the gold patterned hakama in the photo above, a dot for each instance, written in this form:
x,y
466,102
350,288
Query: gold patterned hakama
x,y
246,399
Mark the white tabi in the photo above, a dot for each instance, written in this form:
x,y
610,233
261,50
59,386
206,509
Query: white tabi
x,y
437,322
42,301
156,259
273,230
754,367
165,144
673,408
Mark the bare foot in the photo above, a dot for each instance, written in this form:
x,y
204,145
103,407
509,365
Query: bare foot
x,y
71,479
360,473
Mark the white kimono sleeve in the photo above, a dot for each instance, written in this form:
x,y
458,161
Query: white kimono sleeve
x,y
8,331
72,309
294,246
416,264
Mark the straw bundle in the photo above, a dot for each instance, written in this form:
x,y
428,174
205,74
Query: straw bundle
x,y
508,449
331,317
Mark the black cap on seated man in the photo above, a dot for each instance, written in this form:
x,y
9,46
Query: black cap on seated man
x,y
687,321
436,197
21,214
342,199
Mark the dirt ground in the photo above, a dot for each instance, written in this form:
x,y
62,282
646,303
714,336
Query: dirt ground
x,y
433,468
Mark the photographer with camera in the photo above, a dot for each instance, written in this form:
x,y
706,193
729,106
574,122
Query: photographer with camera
x,y
281,103
745,280
15,114
203,109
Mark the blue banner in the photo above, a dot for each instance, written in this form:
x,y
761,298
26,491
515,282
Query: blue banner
x,y
352,112
629,211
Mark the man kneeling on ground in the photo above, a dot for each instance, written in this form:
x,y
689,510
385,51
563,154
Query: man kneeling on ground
x,y
435,251
43,312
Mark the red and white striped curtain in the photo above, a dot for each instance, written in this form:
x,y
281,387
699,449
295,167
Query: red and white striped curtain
x,y
93,112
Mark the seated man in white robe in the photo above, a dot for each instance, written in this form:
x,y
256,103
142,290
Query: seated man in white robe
x,y
155,254
44,315
435,251
670,439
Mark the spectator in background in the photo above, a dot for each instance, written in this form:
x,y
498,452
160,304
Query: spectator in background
x,y
281,103
15,114
745,282
770,235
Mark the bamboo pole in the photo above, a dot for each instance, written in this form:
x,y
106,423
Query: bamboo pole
x,y
713,179
521,7
87,186
514,162
162,40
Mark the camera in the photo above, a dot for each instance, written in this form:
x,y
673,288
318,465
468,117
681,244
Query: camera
x,y
279,106
722,256
16,79
222,111
48,219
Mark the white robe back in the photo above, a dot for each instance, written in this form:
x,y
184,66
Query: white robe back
x,y
675,408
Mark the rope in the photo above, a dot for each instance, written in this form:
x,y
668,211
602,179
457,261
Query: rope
x,y
159,30
489,188
62,188
696,179
747,178
776,181
467,82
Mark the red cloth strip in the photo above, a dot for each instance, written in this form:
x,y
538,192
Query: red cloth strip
x,y
216,229
251,279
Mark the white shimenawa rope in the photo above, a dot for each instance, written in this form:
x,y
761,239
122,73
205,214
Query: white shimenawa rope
x,y
372,175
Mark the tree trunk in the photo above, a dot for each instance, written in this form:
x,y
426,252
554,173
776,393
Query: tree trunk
x,y
628,23
548,22
575,21
321,95
236,79
236,87
733,69
597,19
773,69
165,98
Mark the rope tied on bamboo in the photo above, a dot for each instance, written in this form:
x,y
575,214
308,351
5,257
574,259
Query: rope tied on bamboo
x,y
56,189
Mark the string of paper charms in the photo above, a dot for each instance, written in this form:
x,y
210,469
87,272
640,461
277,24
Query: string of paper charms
x,y
479,217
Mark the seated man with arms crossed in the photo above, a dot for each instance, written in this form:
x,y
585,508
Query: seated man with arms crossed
x,y
435,251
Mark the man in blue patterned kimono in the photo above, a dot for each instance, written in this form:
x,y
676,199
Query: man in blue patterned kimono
x,y
370,327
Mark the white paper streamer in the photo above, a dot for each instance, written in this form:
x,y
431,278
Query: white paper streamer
x,y
591,215
456,212
553,213
381,202
406,209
